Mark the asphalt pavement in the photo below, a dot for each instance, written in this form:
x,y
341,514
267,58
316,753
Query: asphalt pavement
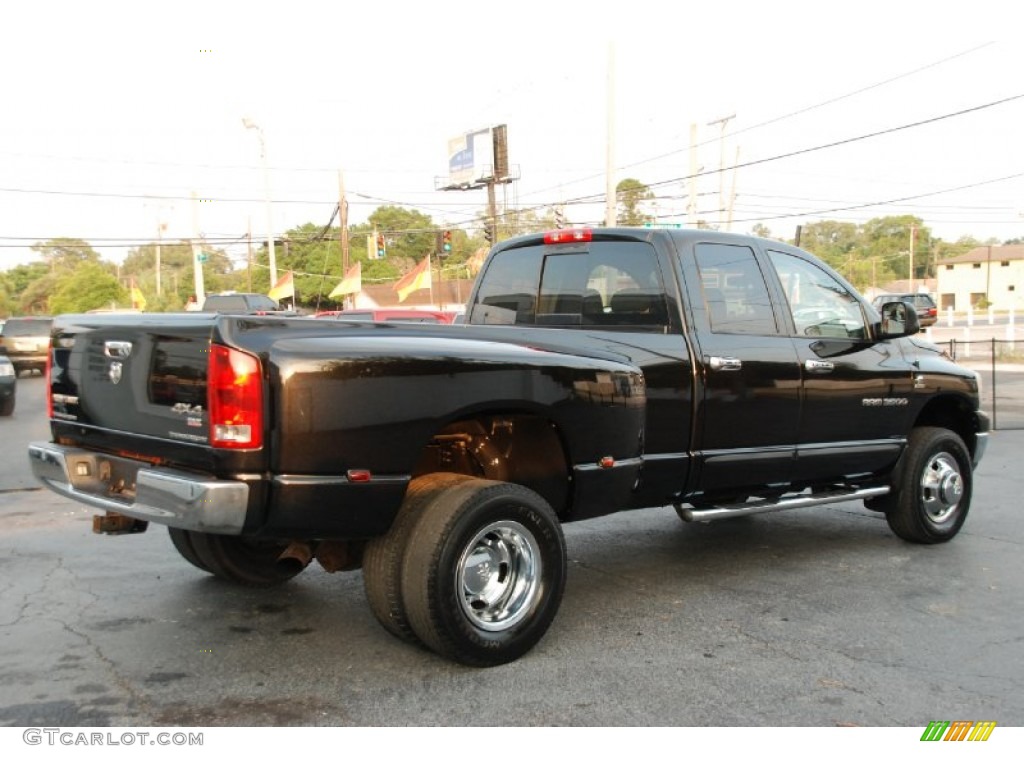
x,y
818,617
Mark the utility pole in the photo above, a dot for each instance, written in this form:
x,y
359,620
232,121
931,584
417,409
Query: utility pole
x,y
732,192
691,205
721,161
272,259
492,208
159,240
343,223
248,252
913,231
197,253
609,206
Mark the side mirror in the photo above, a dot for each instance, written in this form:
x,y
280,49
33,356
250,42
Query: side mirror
x,y
899,318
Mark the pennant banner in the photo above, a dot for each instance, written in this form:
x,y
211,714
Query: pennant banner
x,y
352,282
283,287
415,280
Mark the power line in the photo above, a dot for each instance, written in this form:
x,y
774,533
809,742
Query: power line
x,y
780,118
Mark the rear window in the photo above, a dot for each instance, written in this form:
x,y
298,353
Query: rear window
x,y
178,373
603,283
27,326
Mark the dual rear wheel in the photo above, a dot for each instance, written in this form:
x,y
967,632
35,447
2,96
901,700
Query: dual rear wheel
x,y
473,569
240,559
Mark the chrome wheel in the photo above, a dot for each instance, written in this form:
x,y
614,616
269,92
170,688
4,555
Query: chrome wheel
x,y
498,576
483,571
942,488
932,492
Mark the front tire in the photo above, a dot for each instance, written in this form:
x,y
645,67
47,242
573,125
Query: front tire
x,y
936,483
243,560
484,571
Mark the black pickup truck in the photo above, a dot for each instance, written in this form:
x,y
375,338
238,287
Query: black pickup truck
x,y
599,370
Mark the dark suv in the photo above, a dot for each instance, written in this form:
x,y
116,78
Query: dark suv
x,y
927,312
27,340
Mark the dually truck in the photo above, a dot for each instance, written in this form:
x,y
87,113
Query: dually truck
x,y
599,370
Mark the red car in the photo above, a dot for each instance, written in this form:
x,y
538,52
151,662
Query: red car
x,y
391,314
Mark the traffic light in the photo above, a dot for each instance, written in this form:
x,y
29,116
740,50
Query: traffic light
x,y
446,241
489,232
382,247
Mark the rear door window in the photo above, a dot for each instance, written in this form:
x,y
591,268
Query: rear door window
x,y
734,290
604,284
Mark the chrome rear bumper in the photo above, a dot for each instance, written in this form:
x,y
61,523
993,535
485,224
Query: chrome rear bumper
x,y
136,489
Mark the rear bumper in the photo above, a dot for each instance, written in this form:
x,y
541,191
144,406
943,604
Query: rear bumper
x,y
136,489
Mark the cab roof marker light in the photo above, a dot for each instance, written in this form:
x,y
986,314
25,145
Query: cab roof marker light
x,y
568,236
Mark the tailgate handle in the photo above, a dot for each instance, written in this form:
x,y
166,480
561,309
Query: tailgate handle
x,y
119,350
725,363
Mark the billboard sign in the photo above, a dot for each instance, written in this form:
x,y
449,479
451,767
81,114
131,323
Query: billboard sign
x,y
471,158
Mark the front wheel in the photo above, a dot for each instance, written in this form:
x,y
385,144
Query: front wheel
x,y
483,572
934,496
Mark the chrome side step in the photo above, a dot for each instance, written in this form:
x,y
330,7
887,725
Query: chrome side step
x,y
691,515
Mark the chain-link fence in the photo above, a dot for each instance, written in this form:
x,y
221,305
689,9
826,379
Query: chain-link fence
x,y
1001,365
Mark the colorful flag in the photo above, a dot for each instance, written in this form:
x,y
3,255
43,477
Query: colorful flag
x,y
352,282
418,278
283,287
138,300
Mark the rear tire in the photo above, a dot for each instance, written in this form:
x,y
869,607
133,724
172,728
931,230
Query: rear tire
x,y
182,541
382,559
483,572
8,407
936,483
243,560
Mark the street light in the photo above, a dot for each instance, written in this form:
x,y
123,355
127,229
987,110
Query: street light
x,y
250,125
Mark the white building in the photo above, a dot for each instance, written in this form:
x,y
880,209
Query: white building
x,y
988,274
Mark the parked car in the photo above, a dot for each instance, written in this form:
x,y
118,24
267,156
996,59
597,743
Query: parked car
x,y
927,312
27,340
244,303
8,385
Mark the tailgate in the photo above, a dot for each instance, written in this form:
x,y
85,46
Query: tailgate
x,y
132,377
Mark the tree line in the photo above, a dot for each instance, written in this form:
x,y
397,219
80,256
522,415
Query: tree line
x,y
72,277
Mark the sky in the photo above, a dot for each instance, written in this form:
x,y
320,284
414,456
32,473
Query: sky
x,y
115,115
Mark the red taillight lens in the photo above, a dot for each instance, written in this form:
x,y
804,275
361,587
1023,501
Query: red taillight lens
x,y
568,236
234,399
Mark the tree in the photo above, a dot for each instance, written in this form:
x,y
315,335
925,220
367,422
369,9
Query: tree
x,y
630,195
13,285
91,286
66,253
177,275
887,241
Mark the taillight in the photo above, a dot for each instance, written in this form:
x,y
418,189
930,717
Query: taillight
x,y
568,236
234,399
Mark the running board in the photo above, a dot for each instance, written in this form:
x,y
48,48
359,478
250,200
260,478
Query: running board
x,y
692,515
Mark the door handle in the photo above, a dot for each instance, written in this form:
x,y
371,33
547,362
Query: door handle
x,y
724,363
818,366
